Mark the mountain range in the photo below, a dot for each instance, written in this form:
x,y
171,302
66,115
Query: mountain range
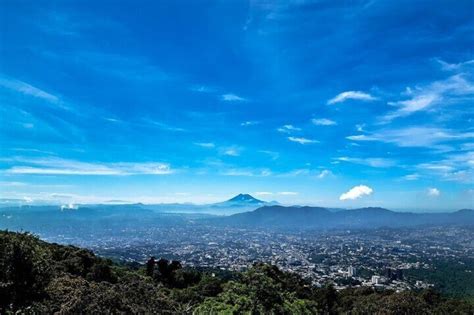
x,y
242,210
323,218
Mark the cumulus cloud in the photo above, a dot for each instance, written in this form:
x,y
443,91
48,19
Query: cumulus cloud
x,y
356,192
232,98
351,95
433,192
323,122
302,140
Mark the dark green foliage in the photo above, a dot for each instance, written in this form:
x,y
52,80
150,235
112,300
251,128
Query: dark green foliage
x,y
454,277
37,277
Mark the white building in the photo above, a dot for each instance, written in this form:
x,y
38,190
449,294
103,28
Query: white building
x,y
375,280
351,271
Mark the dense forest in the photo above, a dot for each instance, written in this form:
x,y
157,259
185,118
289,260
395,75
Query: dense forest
x,y
38,277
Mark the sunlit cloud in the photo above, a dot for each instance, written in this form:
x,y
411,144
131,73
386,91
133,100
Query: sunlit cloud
x,y
351,95
356,193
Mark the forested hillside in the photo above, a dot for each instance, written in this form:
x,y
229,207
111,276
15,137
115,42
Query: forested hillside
x,y
38,277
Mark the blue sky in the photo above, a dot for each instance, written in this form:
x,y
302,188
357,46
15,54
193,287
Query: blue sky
x,y
332,103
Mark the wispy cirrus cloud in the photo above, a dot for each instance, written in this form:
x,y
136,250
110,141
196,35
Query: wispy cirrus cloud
x,y
454,66
351,95
457,167
416,136
324,174
302,140
274,155
162,125
323,122
288,129
372,162
249,123
246,172
29,90
231,151
230,97
205,144
424,98
59,166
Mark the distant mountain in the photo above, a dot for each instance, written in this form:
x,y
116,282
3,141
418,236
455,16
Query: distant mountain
x,y
322,218
239,204
243,199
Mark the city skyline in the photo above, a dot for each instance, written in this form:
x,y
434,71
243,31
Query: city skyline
x,y
330,104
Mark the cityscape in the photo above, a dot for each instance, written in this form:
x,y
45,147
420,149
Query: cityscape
x,y
381,258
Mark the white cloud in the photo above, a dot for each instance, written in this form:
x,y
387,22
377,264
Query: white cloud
x,y
202,89
323,122
249,123
58,166
69,206
263,193
231,151
356,192
162,126
433,192
454,66
455,167
205,144
373,162
414,136
438,92
411,177
301,140
288,193
288,129
232,98
351,95
272,154
324,174
26,89
246,172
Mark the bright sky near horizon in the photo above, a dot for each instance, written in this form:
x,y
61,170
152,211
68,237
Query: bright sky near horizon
x,y
330,103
